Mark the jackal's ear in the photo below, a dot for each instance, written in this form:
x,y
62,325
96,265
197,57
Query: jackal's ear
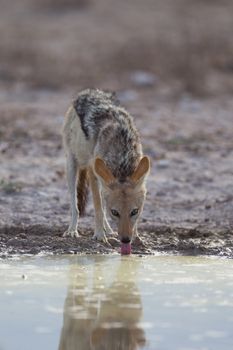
x,y
142,170
103,171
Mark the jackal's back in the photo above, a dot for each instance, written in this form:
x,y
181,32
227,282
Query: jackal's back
x,y
116,138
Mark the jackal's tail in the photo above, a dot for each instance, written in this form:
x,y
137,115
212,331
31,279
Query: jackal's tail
x,y
82,190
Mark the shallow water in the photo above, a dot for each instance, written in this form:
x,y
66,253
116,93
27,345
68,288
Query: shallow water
x,y
114,302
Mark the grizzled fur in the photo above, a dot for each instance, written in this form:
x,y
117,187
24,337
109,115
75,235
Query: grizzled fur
x,y
103,149
104,121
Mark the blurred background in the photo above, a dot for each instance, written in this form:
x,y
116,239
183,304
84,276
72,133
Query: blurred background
x,y
176,45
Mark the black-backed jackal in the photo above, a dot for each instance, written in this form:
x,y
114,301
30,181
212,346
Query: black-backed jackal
x,y
103,149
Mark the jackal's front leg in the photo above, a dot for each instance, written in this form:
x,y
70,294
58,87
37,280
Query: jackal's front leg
x,y
137,240
107,228
100,219
72,169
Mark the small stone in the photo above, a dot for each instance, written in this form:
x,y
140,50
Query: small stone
x,y
22,235
162,163
142,78
127,95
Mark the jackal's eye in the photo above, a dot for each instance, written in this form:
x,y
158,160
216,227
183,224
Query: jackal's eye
x,y
134,212
115,213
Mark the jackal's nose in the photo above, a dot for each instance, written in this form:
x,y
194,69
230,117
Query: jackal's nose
x,y
125,240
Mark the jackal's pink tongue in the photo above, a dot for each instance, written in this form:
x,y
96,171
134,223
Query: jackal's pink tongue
x,y
125,248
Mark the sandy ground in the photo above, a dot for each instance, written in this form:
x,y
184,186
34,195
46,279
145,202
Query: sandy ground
x,y
189,207
190,191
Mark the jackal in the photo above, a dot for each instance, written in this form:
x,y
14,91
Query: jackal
x,y
103,149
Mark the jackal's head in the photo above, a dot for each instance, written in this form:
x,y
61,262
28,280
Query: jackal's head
x,y
124,200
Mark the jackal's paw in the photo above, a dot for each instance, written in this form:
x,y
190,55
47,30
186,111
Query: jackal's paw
x,y
139,242
114,242
71,233
99,236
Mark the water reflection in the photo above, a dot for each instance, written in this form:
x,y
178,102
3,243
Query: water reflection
x,y
103,307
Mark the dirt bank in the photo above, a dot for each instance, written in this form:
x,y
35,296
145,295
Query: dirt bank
x,y
190,190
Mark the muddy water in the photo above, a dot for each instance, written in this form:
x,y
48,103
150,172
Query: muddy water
x,y
110,302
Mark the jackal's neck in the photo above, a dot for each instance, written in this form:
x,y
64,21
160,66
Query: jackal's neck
x,y
120,147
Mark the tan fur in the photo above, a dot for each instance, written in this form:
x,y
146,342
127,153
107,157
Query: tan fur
x,y
74,139
124,200
109,193
142,168
124,197
102,170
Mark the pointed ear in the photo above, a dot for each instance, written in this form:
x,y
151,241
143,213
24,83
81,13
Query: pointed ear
x,y
142,169
103,171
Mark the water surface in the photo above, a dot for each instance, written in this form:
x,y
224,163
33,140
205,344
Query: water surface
x,y
114,302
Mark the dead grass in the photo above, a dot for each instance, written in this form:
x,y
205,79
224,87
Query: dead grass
x,y
10,187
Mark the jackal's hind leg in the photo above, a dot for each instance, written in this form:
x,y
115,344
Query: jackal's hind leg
x,y
99,233
72,172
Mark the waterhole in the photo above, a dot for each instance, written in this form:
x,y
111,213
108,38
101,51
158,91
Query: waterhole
x,y
114,302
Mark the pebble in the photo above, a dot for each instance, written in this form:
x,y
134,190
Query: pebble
x,y
142,78
22,235
162,164
127,95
